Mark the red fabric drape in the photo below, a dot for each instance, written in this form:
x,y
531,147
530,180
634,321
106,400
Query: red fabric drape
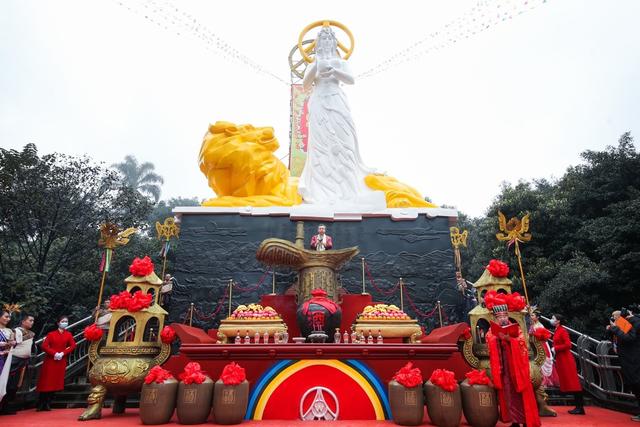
x,y
519,359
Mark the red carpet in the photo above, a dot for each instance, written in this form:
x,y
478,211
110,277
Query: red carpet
x,y
64,417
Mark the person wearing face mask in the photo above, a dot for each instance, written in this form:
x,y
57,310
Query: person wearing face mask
x,y
566,364
56,346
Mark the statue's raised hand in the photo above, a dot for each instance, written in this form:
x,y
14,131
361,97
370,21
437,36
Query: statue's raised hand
x,y
328,72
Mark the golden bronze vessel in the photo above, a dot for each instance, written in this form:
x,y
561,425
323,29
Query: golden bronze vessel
x,y
316,269
408,329
229,328
132,348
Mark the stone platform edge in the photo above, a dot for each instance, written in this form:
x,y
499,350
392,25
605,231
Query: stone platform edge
x,y
302,212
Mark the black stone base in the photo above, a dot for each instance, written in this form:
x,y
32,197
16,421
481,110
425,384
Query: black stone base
x,y
217,247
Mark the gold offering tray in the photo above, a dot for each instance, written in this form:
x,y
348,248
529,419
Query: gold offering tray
x,y
230,327
396,328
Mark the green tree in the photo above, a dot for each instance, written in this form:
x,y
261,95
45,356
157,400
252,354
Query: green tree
x,y
50,210
584,258
140,176
164,208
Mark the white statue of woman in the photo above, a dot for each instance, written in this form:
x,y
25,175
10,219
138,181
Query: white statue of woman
x,y
333,173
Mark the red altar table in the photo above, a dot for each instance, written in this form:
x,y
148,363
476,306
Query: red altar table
x,y
284,378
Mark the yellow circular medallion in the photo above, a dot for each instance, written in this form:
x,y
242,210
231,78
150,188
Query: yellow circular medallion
x,y
307,50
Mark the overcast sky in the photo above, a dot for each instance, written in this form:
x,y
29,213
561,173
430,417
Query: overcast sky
x,y
518,101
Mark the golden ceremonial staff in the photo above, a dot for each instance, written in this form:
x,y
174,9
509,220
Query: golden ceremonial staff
x,y
458,239
515,231
110,238
166,230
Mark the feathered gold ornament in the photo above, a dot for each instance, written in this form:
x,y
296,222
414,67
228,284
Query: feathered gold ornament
x,y
111,236
12,308
168,229
515,231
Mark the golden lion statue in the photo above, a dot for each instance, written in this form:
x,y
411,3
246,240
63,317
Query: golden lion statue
x,y
240,165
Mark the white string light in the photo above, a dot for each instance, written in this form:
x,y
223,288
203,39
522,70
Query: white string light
x,y
484,15
166,15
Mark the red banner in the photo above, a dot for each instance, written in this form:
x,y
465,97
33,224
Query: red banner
x,y
299,129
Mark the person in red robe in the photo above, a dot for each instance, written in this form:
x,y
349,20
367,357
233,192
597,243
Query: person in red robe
x,y
509,363
56,346
321,241
566,365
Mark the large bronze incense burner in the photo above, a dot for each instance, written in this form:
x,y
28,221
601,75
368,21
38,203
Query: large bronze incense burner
x,y
316,269
132,348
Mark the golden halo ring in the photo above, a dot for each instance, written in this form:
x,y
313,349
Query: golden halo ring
x,y
305,51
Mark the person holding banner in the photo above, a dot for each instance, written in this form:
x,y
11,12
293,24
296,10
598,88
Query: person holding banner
x,y
509,363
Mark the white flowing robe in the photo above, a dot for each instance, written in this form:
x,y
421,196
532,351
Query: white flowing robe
x,y
334,172
4,374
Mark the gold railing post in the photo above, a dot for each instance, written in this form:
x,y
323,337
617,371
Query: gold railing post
x,y
230,294
300,234
273,282
364,284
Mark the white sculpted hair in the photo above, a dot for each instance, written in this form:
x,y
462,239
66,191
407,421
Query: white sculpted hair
x,y
327,31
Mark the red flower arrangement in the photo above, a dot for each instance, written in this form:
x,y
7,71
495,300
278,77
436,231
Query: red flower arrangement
x,y
141,267
139,300
515,302
193,374
408,376
157,375
497,268
168,335
444,379
493,298
93,333
120,301
467,333
136,302
477,376
541,334
233,374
